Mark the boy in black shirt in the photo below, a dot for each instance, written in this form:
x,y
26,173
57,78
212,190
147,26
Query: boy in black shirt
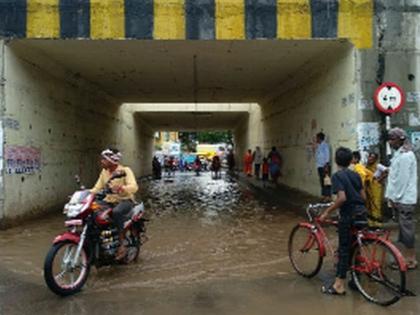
x,y
351,197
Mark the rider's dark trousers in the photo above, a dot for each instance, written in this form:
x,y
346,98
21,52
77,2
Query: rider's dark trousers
x,y
120,213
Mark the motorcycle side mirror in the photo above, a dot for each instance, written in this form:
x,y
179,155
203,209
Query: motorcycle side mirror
x,y
77,179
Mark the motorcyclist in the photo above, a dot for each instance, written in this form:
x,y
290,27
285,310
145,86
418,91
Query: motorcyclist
x,y
121,198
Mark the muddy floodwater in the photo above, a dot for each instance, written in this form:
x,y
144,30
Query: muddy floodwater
x,y
215,247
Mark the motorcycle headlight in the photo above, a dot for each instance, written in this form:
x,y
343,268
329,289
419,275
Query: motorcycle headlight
x,y
73,210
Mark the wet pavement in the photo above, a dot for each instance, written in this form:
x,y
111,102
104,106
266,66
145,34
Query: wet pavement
x,y
215,247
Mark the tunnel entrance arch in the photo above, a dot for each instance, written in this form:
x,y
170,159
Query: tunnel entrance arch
x,y
65,100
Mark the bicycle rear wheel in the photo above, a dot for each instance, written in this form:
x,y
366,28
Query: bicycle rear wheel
x,y
377,272
304,252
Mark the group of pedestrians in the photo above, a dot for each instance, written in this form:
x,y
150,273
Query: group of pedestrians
x,y
264,167
359,189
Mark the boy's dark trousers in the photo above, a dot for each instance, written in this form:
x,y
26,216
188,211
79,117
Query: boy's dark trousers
x,y
345,238
344,245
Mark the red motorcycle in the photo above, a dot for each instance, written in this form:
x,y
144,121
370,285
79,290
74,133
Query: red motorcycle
x,y
91,239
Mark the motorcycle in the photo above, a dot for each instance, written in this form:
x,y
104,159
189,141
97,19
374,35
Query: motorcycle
x,y
90,240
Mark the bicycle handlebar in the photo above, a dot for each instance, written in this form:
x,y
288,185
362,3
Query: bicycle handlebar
x,y
311,214
319,205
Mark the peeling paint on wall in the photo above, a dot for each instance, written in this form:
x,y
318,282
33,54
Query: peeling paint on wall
x,y
413,120
365,104
413,97
11,123
348,100
314,124
22,160
415,140
368,135
1,156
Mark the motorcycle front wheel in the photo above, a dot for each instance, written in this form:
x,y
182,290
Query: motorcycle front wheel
x,y
64,273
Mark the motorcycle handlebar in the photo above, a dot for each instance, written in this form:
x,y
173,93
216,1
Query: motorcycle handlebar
x,y
107,190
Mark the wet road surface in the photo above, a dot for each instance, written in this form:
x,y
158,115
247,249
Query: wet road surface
x,y
214,248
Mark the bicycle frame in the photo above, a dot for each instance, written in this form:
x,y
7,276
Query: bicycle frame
x,y
371,257
373,263
360,235
316,226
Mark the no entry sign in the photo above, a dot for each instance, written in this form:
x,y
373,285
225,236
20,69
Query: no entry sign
x,y
389,98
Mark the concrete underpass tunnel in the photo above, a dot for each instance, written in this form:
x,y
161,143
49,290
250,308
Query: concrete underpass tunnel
x,y
152,118
65,100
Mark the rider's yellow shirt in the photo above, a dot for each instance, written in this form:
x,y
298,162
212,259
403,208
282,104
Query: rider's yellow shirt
x,y
128,184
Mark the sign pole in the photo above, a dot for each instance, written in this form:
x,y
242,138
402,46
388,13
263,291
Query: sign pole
x,y
389,99
388,128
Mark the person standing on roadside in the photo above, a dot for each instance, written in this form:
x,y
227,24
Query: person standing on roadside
x,y
231,160
258,159
322,158
275,161
265,171
401,191
248,163
377,190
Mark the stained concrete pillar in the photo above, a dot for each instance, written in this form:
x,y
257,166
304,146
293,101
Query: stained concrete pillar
x,y
2,108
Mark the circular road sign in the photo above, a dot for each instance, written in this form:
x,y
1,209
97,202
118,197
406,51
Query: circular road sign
x,y
389,98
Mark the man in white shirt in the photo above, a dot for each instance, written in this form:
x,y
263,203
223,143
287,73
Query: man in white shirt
x,y
401,190
322,158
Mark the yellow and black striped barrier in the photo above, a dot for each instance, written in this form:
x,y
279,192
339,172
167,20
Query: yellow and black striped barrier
x,y
189,19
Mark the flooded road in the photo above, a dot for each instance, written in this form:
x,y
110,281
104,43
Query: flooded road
x,y
215,247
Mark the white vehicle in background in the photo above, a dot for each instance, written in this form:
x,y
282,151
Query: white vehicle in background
x,y
171,149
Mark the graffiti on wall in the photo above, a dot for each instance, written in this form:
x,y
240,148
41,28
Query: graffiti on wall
x,y
368,135
22,160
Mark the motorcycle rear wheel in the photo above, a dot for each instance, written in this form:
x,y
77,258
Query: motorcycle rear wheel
x,y
77,276
133,250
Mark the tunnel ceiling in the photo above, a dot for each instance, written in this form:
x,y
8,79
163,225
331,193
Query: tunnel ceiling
x,y
194,121
183,71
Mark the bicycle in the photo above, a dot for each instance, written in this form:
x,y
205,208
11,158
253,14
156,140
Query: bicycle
x,y
377,267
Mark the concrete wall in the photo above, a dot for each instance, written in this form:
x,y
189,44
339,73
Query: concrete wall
x,y
321,96
248,133
59,123
395,57
2,108
135,140
144,144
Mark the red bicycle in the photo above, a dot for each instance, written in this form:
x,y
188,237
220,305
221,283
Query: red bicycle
x,y
377,267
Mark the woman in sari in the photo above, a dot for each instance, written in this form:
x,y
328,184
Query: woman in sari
x,y
376,191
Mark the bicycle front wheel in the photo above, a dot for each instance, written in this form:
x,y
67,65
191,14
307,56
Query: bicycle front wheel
x,y
304,253
377,272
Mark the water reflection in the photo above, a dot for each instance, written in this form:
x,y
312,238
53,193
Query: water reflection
x,y
215,248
